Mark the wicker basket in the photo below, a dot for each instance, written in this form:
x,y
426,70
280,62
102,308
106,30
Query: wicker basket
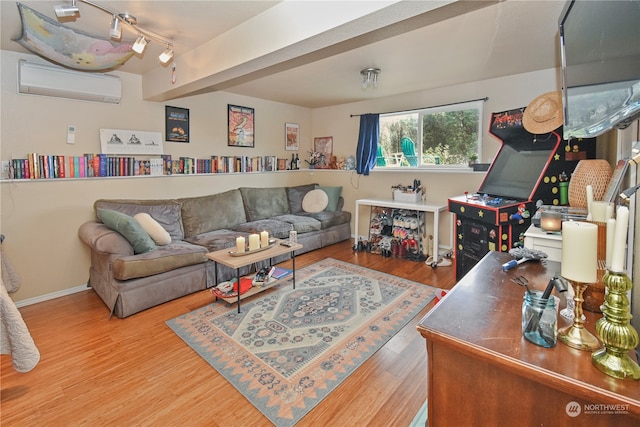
x,y
596,173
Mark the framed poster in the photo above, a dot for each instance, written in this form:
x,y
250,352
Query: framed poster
x,y
176,122
241,122
127,142
292,136
323,145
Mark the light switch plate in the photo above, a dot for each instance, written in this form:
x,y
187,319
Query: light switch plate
x,y
71,134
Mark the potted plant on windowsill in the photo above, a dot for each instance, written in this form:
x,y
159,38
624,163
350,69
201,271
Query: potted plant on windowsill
x,y
473,159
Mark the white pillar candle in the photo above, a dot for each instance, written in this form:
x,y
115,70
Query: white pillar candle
x,y
611,227
620,239
599,211
589,199
264,239
579,251
609,211
240,244
254,242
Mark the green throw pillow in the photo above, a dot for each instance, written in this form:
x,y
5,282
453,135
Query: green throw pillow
x,y
129,228
334,194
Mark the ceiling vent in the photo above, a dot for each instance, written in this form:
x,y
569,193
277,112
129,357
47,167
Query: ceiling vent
x,y
49,80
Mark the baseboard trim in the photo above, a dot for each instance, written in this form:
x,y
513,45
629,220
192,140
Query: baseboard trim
x,y
52,295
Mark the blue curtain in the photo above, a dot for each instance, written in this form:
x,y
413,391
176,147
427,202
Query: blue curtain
x,y
367,143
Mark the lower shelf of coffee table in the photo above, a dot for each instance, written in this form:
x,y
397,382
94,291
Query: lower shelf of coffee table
x,y
254,290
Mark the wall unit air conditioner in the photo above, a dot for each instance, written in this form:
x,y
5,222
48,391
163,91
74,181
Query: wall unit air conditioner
x,y
49,80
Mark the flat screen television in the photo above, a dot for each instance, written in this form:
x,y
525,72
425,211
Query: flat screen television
x,y
600,49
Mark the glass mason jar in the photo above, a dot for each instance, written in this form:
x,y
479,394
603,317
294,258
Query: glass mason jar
x,y
539,319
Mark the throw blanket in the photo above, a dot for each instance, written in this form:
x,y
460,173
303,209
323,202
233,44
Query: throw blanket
x,y
15,338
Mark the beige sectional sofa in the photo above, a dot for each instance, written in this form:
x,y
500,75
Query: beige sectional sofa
x,y
129,282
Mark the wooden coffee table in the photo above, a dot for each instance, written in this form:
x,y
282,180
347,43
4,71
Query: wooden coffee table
x,y
225,257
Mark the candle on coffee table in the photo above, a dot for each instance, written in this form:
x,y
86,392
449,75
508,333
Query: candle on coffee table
x,y
254,242
264,239
240,244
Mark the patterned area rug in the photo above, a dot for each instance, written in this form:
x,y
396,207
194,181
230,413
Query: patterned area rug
x,y
289,348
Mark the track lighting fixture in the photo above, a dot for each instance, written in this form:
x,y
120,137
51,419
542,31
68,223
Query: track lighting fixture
x,y
140,44
115,30
166,55
370,77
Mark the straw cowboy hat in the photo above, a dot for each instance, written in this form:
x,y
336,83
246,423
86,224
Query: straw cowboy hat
x,y
543,114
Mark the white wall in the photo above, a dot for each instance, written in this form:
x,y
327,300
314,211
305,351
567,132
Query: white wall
x,y
40,218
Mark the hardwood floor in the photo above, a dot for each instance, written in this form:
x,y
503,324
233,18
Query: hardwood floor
x,y
98,371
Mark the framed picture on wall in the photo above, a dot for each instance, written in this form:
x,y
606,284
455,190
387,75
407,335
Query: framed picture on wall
x,y
241,126
291,136
176,124
323,145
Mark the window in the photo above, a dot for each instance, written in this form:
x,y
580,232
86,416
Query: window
x,y
447,135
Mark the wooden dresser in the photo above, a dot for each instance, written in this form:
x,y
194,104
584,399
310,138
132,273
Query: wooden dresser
x,y
481,371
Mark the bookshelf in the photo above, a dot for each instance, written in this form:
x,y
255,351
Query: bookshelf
x,y
38,166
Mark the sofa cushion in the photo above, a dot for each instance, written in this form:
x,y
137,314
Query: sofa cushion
x,y
217,239
166,258
334,194
129,228
277,229
153,228
330,218
166,212
315,201
295,196
300,223
261,203
214,212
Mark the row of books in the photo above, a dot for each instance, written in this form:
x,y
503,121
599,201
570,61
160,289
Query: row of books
x,y
38,166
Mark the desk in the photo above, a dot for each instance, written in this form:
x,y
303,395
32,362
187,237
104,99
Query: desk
x,y
434,208
481,371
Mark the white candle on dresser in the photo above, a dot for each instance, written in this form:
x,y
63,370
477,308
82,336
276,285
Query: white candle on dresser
x,y
611,228
620,239
609,211
589,201
599,211
579,251
264,239
240,244
254,242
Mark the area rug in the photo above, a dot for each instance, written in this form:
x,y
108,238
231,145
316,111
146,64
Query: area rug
x,y
289,348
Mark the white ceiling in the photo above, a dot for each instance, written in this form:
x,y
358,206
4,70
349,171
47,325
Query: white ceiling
x,y
456,42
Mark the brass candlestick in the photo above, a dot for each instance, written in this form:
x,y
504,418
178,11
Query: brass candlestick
x,y
615,330
576,335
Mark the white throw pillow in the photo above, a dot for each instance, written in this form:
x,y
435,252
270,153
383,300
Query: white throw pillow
x,y
315,201
153,228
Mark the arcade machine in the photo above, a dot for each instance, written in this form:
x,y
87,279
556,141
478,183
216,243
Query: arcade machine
x,y
528,170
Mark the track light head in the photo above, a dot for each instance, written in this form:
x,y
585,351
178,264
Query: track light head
x,y
65,10
115,31
166,55
140,44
